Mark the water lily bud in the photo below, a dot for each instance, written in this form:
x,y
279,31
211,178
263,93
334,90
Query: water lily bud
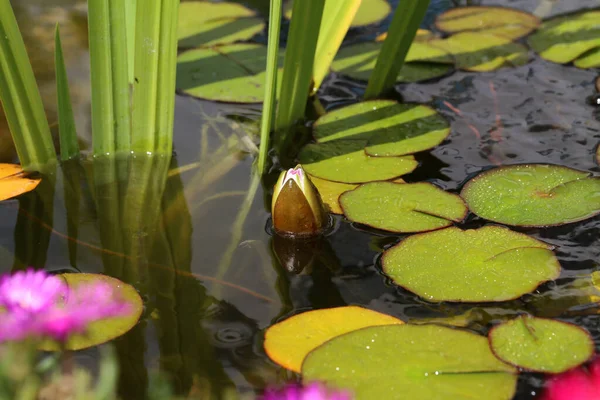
x,y
297,207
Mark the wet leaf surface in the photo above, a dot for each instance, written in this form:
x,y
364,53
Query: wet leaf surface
x,y
533,195
476,265
540,344
411,362
14,181
369,12
402,208
289,341
330,193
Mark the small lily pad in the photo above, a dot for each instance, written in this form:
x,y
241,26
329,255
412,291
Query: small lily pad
x,y
411,362
566,38
346,161
107,329
408,207
533,195
541,345
204,23
369,12
481,52
476,265
330,192
230,73
14,181
289,341
390,128
506,22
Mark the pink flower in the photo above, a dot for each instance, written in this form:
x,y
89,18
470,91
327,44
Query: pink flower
x,y
312,391
576,384
30,291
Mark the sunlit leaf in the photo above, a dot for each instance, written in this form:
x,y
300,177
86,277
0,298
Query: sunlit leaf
x,y
409,207
486,264
542,345
289,341
369,12
107,329
533,195
330,192
346,161
14,181
411,362
203,23
566,38
500,21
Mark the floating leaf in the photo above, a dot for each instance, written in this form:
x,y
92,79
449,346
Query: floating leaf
x,y
330,192
409,207
346,161
14,181
107,329
288,342
231,73
423,61
390,128
486,264
369,12
411,362
591,59
475,51
541,345
422,35
203,23
500,21
566,38
533,195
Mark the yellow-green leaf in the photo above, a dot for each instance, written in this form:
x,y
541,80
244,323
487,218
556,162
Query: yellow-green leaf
x,y
330,192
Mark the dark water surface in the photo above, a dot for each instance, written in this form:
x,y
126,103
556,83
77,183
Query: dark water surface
x,y
216,286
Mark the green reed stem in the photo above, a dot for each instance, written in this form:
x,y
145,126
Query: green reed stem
x,y
130,16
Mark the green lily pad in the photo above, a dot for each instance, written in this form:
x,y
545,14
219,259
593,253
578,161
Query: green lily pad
x,y
476,265
230,73
506,22
346,161
533,195
104,330
539,344
591,59
330,193
566,38
369,12
390,128
423,61
411,362
408,207
203,23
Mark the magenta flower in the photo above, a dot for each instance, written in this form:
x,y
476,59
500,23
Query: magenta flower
x,y
576,384
312,391
30,291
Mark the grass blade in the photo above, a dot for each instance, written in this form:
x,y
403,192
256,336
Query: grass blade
x,y
404,25
130,14
69,147
21,98
269,103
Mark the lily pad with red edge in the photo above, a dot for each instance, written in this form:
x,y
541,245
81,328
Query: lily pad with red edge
x,y
569,38
533,195
411,362
390,128
500,21
14,181
541,345
106,329
289,341
346,161
402,208
488,264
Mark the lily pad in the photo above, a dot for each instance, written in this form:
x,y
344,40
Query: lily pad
x,y
591,59
481,52
533,195
346,161
423,61
204,23
330,193
566,38
289,341
14,181
403,208
411,362
390,128
230,73
541,345
476,265
107,329
369,12
506,22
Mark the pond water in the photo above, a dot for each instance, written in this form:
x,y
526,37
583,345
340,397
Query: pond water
x,y
212,281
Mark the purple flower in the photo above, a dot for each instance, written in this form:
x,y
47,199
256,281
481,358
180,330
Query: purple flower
x,y
312,391
30,291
